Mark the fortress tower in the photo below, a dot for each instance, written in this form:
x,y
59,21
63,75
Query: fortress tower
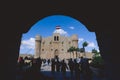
x,y
74,39
38,40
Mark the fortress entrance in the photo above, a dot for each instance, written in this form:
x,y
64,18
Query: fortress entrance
x,y
56,53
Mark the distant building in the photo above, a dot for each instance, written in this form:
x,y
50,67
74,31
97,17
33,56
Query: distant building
x,y
26,55
55,46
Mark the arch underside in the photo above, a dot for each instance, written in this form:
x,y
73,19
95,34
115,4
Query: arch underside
x,y
96,18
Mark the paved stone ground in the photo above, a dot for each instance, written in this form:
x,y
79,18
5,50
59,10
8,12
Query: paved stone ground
x,y
58,76
45,74
46,70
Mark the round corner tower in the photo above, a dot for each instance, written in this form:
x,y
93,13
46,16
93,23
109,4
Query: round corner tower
x,y
38,40
74,39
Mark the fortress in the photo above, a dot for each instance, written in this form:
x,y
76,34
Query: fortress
x,y
55,46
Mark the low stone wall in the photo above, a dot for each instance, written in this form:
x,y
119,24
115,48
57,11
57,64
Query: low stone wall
x,y
66,55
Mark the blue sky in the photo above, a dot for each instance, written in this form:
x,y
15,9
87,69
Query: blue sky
x,y
46,26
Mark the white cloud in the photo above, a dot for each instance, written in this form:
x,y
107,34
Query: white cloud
x,y
98,50
91,44
61,31
28,44
71,27
80,40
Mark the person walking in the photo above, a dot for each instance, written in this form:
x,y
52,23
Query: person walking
x,y
77,69
86,71
63,69
53,66
71,67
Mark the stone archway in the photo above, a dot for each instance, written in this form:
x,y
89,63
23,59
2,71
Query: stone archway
x,y
97,18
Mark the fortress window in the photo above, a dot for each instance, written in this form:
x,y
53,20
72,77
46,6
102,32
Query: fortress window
x,y
69,42
54,38
57,38
50,42
51,49
43,42
42,49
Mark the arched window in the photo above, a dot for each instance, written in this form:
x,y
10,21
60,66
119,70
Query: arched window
x,y
42,49
54,38
51,49
69,42
43,42
57,38
50,42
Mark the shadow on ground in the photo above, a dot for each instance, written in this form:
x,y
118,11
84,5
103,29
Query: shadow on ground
x,y
29,74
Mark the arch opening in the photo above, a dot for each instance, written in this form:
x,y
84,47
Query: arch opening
x,y
61,32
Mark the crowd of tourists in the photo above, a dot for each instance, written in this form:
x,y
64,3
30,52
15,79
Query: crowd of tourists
x,y
77,67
